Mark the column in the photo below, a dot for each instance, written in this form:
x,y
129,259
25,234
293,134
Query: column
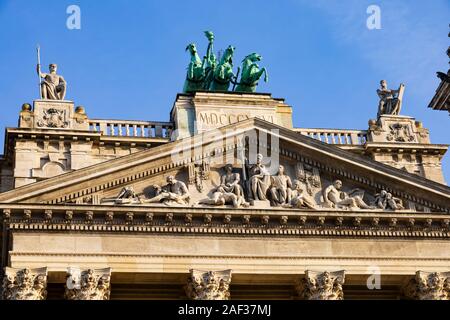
x,y
88,284
322,285
208,285
25,284
429,286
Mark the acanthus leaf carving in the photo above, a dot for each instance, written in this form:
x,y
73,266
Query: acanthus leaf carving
x,y
25,284
322,285
429,286
208,285
88,284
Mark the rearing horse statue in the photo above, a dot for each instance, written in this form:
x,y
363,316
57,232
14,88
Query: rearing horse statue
x,y
195,76
251,73
223,73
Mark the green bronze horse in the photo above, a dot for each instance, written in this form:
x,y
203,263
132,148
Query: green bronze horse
x,y
223,73
195,77
251,73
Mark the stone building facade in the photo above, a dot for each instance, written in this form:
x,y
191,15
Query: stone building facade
x,y
227,200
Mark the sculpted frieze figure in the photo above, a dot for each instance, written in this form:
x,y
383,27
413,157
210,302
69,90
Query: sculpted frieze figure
x,y
335,198
230,182
219,198
390,100
53,86
127,195
385,200
429,286
228,192
280,188
174,192
208,285
301,197
88,284
25,284
259,180
322,285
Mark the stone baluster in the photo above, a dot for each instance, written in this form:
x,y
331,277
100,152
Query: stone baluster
x,y
429,286
89,284
25,284
321,285
208,285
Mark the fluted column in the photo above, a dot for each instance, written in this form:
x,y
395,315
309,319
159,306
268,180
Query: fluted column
x,y
321,285
208,285
429,286
88,284
25,284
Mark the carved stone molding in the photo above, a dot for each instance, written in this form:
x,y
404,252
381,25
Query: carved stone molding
x,y
25,284
208,285
322,285
429,286
90,284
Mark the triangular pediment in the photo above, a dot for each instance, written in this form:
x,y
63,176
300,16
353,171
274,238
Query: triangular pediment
x,y
198,162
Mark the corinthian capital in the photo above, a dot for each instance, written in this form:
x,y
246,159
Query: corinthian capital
x,y
208,285
25,284
322,285
429,286
89,284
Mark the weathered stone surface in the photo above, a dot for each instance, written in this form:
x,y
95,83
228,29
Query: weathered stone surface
x,y
429,286
24,284
88,284
322,285
205,111
208,285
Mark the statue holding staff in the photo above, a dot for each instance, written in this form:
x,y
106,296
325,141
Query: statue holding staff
x,y
52,86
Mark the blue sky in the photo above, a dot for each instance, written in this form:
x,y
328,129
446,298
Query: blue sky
x,y
128,59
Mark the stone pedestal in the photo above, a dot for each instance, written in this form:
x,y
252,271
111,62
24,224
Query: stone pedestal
x,y
397,129
403,143
203,111
53,114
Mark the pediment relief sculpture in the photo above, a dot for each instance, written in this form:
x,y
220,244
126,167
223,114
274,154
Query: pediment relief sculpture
x,y
229,192
297,186
174,192
334,197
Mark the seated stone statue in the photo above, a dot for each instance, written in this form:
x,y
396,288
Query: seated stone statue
x,y
301,197
174,192
280,188
53,86
259,181
335,198
222,198
390,100
230,182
